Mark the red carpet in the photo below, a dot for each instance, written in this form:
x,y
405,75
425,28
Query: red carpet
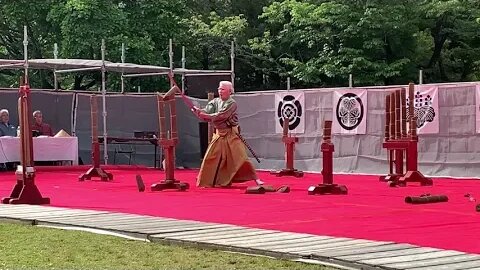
x,y
371,210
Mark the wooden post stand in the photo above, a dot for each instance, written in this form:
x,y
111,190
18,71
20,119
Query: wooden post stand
x,y
25,190
395,129
167,141
327,147
398,141
95,170
289,142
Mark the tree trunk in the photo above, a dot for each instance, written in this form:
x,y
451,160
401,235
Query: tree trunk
x,y
443,74
466,70
205,58
388,57
78,82
439,40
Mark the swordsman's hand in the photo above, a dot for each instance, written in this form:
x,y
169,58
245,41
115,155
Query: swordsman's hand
x,y
204,116
195,110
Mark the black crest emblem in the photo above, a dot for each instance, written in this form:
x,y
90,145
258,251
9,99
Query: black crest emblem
x,y
289,108
422,109
349,111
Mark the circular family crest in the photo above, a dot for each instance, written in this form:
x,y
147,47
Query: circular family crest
x,y
289,108
349,111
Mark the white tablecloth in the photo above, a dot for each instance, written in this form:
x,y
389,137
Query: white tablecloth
x,y
44,149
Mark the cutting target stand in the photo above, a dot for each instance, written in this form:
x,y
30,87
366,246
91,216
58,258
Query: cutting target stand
x,y
327,148
289,142
25,190
96,170
168,140
402,143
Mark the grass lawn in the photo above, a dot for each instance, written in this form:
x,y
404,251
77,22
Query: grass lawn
x,y
31,247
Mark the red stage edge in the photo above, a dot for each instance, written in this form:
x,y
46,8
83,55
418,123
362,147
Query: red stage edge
x,y
95,170
168,142
327,148
289,142
25,191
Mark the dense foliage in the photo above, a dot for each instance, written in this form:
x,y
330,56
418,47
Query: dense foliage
x,y
316,43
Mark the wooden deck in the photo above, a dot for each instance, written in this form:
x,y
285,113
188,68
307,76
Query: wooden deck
x,y
346,253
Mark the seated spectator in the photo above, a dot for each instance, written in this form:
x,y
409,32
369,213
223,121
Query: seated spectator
x,y
42,128
6,129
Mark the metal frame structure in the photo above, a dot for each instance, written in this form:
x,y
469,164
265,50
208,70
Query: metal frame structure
x,y
183,70
127,70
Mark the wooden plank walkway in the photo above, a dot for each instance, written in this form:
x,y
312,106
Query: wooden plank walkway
x,y
346,253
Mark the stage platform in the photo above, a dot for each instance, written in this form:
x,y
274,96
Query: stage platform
x,y
372,226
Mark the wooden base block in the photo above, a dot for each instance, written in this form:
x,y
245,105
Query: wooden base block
x,y
409,177
262,189
416,176
140,184
170,184
390,178
287,172
323,189
96,172
25,194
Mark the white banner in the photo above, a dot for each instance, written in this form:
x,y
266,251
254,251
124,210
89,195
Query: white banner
x,y
350,111
292,106
426,109
477,107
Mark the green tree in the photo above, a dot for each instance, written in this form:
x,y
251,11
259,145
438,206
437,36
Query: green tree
x,y
14,15
210,32
321,42
78,26
315,42
454,43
